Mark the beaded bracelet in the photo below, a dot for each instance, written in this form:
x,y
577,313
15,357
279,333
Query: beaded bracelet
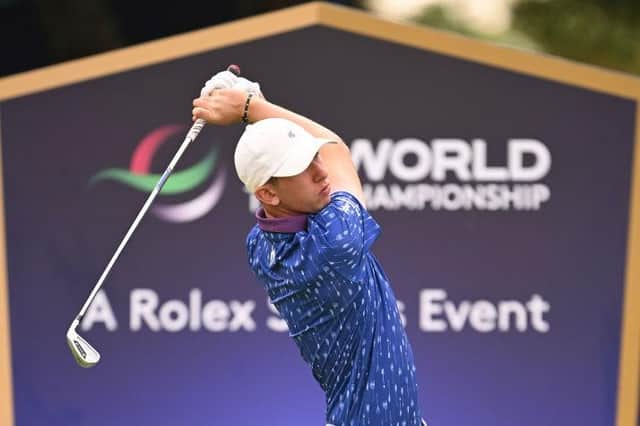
x,y
245,114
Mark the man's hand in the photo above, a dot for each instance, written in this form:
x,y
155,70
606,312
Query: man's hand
x,y
222,107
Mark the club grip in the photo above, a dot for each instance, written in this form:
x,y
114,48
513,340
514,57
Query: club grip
x,y
234,69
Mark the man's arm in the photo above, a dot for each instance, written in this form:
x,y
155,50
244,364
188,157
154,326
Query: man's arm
x,y
226,106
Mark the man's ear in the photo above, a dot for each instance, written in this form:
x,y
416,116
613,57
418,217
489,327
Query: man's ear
x,y
266,194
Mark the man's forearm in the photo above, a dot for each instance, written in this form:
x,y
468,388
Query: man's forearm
x,y
259,109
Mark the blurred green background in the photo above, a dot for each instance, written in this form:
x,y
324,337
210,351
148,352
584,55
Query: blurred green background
x,y
605,33
36,33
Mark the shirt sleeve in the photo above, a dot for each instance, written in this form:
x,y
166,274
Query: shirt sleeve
x,y
343,232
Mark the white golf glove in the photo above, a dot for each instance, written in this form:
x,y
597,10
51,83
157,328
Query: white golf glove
x,y
226,80
248,86
222,80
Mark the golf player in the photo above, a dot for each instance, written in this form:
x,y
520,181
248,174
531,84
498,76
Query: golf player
x,y
311,249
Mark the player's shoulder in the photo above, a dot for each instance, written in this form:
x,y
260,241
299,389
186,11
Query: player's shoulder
x,y
253,237
345,197
343,217
342,203
253,233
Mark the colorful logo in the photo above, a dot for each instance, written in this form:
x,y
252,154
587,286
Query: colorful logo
x,y
139,177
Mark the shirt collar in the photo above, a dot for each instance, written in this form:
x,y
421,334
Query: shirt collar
x,y
286,224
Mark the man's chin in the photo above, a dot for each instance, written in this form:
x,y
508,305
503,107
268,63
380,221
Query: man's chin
x,y
325,202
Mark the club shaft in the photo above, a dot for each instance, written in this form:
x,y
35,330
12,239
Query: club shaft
x,y
191,136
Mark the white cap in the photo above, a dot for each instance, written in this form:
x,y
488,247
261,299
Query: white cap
x,y
274,147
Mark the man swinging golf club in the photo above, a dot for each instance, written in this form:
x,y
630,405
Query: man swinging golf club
x,y
311,249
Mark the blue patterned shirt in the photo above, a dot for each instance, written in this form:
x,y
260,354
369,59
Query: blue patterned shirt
x,y
340,310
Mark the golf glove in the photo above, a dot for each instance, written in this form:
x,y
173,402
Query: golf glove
x,y
248,86
222,80
227,80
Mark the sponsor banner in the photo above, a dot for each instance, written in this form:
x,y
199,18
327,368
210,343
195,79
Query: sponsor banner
x,y
503,200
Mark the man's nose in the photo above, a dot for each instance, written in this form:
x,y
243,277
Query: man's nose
x,y
320,172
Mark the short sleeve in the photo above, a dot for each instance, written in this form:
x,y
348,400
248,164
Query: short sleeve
x,y
344,231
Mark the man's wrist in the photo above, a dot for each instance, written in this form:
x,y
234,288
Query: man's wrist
x,y
259,108
245,112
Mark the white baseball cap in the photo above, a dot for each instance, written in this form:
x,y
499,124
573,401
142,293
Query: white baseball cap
x,y
274,147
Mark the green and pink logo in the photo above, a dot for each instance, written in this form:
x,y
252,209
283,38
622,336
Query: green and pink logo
x,y
140,177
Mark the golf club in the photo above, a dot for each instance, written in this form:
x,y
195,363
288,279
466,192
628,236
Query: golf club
x,y
85,354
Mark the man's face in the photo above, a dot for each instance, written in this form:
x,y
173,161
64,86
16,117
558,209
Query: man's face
x,y
307,192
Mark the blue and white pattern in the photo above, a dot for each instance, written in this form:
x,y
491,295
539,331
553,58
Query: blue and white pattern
x,y
342,313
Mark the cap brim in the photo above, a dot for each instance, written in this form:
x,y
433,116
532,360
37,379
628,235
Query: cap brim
x,y
299,158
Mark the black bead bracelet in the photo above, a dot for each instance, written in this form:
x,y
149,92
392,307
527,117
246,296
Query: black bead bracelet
x,y
245,114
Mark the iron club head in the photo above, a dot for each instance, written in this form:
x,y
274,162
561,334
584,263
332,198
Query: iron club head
x,y
86,356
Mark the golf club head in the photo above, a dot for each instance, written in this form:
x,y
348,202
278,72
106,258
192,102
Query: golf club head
x,y
86,356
